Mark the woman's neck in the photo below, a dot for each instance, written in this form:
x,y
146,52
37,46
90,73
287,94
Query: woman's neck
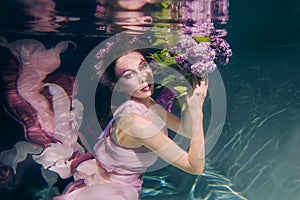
x,y
148,102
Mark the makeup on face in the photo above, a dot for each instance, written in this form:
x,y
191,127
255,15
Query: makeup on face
x,y
132,63
135,75
132,71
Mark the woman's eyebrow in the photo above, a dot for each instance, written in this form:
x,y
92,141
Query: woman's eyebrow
x,y
123,71
120,72
142,61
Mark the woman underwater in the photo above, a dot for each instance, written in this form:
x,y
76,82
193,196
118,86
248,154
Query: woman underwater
x,y
133,139
137,135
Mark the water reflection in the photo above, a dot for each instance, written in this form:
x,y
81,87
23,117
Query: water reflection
x,y
116,20
131,4
44,16
110,17
191,16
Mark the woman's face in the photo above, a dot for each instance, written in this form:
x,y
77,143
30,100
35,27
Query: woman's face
x,y
135,76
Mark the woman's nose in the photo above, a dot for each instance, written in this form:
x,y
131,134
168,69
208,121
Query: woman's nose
x,y
142,78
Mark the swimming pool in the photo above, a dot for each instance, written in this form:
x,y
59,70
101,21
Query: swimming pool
x,y
255,156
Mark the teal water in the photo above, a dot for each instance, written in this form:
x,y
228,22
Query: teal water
x,y
256,156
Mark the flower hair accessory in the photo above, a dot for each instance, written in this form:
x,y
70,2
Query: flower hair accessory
x,y
100,56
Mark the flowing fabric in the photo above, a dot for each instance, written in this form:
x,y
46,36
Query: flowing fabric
x,y
117,172
25,64
41,103
34,98
15,104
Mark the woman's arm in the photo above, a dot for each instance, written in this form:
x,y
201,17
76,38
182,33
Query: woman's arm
x,y
183,127
146,133
179,126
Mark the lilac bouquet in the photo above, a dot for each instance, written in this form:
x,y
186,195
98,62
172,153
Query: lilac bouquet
x,y
197,55
193,57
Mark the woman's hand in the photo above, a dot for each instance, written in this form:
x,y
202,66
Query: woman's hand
x,y
196,100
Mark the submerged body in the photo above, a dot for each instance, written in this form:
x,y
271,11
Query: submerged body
x,y
131,142
117,172
137,135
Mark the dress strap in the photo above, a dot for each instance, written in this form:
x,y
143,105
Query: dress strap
x,y
107,129
123,110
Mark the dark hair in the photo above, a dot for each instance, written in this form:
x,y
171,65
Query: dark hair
x,y
104,94
105,88
108,77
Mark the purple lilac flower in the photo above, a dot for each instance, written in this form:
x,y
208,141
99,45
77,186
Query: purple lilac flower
x,y
98,67
201,68
105,81
202,29
191,55
201,51
223,51
166,98
180,59
204,49
176,49
186,66
186,42
220,11
100,54
153,64
218,33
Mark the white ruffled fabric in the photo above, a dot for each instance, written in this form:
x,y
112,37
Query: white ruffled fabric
x,y
61,123
18,153
91,173
37,62
64,118
56,157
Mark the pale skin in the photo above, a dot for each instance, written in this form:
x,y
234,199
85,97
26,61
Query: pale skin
x,y
135,130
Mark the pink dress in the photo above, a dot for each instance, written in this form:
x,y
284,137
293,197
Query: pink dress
x,y
42,106
116,173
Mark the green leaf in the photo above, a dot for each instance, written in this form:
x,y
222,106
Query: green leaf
x,y
183,107
180,89
201,39
173,38
162,58
182,94
165,4
158,42
168,79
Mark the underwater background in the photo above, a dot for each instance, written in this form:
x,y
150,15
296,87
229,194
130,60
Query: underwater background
x,y
256,156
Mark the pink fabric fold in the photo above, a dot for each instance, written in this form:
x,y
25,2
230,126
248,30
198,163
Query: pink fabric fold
x,y
17,106
117,173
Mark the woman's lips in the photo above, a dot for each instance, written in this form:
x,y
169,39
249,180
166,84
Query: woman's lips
x,y
146,88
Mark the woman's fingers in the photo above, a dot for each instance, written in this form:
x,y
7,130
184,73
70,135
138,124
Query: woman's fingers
x,y
202,89
204,82
198,95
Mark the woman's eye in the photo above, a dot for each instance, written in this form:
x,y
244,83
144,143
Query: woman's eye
x,y
144,66
128,75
